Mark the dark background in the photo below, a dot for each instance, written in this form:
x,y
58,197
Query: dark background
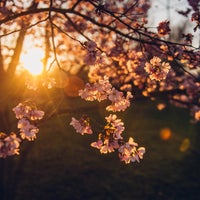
x,y
60,164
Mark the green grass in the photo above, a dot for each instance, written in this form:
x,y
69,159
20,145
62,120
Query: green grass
x,y
60,164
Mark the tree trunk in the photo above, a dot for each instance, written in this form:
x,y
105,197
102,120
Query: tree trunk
x,y
17,51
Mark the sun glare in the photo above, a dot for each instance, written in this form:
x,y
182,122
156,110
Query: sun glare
x,y
31,60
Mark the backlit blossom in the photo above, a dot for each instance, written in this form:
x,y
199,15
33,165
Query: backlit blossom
x,y
98,144
27,130
109,146
9,145
97,91
156,69
23,123
116,125
110,138
119,103
115,95
106,146
129,152
36,114
23,110
82,125
102,90
27,113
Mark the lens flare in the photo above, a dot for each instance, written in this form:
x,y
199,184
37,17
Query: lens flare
x,y
165,133
184,145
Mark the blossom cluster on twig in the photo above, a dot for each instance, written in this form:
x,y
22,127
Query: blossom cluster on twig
x,y
9,144
27,115
110,138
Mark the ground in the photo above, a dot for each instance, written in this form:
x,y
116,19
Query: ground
x,y
61,165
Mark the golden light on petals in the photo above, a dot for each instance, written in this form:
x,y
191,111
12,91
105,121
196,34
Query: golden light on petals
x,y
31,60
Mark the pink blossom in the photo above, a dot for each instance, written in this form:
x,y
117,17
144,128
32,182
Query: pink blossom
x,y
109,146
24,110
101,90
115,95
106,146
119,104
156,69
96,91
88,93
21,110
141,151
128,152
26,113
98,144
27,130
36,115
116,125
23,123
9,145
82,125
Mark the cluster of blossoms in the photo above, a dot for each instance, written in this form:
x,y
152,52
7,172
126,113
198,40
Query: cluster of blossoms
x,y
82,125
110,138
103,90
156,69
129,152
92,54
27,115
9,144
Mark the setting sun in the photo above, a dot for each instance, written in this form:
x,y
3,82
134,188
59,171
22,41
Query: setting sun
x,y
32,60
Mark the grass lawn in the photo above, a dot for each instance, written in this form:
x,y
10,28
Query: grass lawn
x,y
61,165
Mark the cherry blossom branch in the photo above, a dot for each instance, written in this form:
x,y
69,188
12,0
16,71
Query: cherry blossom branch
x,y
136,30
92,20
